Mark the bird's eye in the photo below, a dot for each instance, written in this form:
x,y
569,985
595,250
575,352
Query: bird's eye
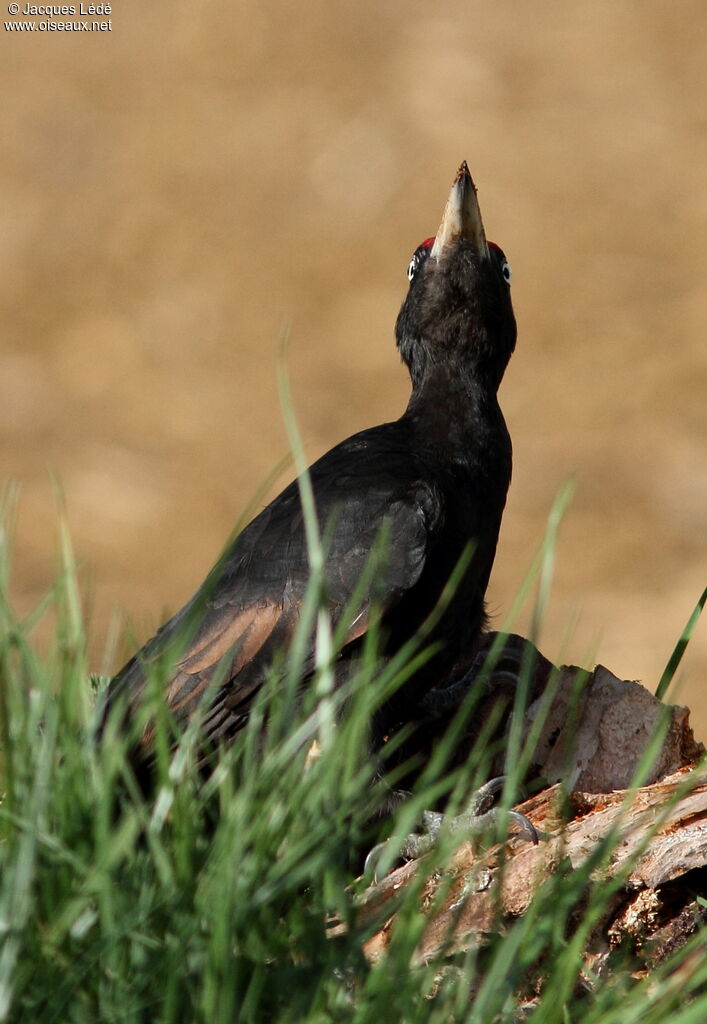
x,y
419,256
507,272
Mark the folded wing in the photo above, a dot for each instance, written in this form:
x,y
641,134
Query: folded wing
x,y
247,610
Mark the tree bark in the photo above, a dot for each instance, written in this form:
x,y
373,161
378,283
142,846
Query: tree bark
x,y
662,828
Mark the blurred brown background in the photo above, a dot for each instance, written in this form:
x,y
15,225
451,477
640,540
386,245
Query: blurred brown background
x,y
177,190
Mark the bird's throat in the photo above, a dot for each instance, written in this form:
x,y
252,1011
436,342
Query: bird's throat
x,y
450,411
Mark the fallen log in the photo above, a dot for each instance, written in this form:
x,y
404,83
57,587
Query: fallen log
x,y
655,836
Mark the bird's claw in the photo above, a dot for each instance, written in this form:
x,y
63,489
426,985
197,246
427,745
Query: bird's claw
x,y
472,822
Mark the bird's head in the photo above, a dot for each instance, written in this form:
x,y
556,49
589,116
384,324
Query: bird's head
x,y
457,316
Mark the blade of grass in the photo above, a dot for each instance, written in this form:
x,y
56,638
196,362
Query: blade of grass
x,y
680,648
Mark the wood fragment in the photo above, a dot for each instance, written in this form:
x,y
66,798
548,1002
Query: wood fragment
x,y
662,828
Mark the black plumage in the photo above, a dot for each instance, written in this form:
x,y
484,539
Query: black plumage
x,y
434,481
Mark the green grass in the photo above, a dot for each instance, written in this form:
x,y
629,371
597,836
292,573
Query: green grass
x,y
213,901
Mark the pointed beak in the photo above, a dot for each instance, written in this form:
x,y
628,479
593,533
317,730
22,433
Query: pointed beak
x,y
462,217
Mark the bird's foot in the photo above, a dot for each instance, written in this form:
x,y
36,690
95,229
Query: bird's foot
x,y
471,823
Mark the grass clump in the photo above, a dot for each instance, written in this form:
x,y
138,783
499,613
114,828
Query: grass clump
x,y
215,900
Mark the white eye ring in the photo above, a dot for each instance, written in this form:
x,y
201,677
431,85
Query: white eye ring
x,y
412,267
507,272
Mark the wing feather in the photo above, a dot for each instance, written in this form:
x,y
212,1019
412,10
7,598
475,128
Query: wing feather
x,y
248,607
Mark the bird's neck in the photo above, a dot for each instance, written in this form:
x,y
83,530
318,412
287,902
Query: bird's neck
x,y
453,412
